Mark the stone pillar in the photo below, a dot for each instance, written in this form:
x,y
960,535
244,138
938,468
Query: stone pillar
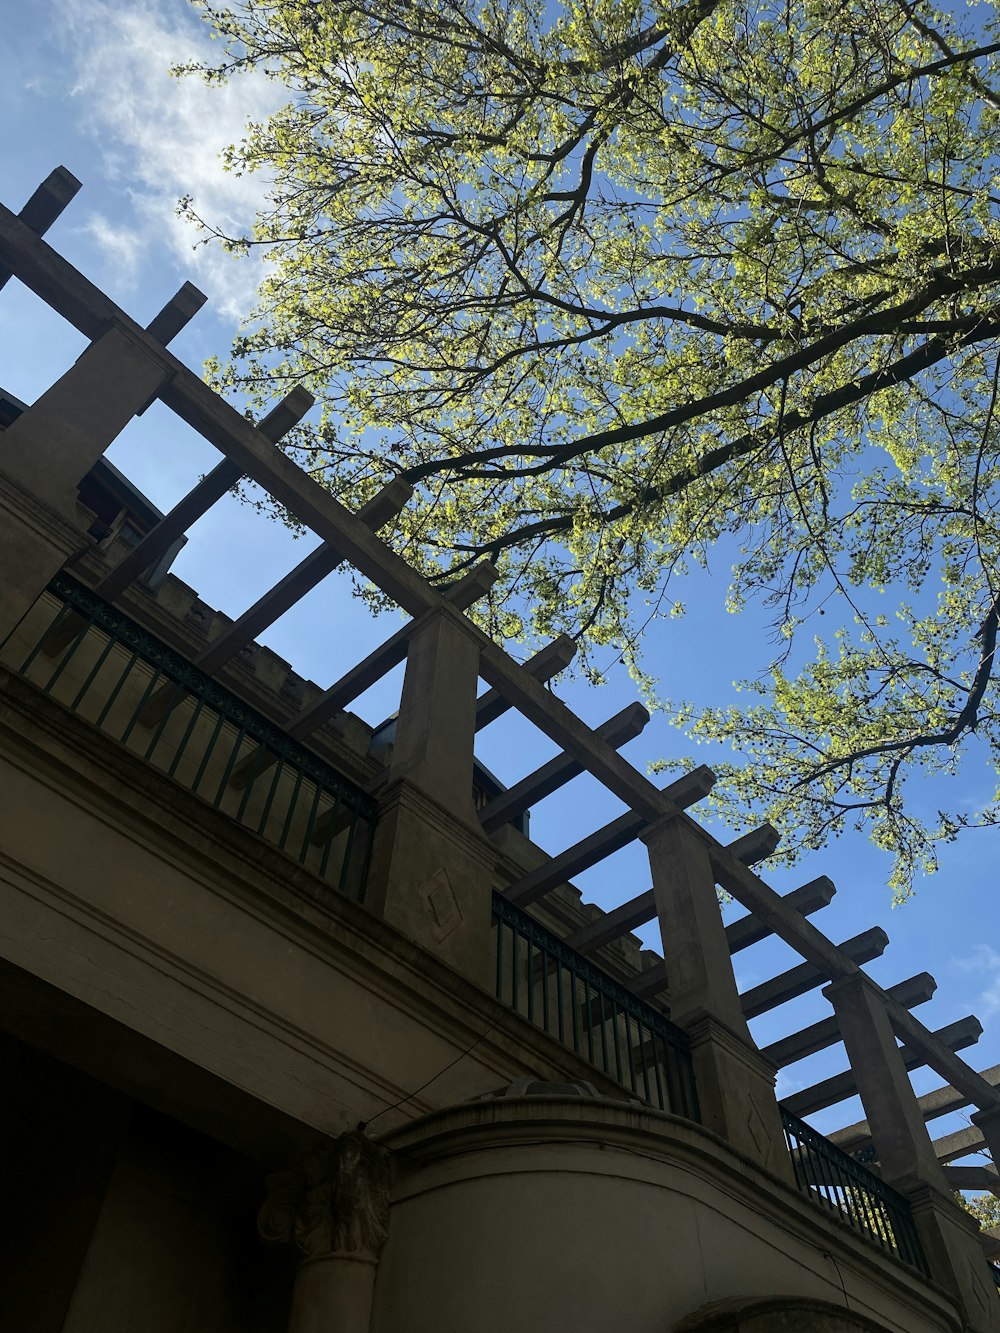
x,y
735,1083
335,1209
436,727
950,1238
49,449
432,867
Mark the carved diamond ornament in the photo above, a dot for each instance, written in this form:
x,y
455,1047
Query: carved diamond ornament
x,y
443,904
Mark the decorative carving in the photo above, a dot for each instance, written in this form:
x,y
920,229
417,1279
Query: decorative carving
x,y
336,1202
443,904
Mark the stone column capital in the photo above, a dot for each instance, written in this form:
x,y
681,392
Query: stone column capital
x,y
334,1204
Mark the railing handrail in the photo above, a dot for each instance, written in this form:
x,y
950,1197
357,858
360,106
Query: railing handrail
x,y
850,1166
892,1226
176,668
681,1092
583,967
157,704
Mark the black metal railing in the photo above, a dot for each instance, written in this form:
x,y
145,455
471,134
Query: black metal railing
x,y
129,684
853,1192
551,985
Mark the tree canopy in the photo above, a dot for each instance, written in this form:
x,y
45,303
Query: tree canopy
x,y
613,281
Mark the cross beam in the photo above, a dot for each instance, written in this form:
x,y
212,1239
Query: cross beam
x,y
739,934
278,422
604,841
942,1101
805,977
617,731
818,1036
956,1036
44,206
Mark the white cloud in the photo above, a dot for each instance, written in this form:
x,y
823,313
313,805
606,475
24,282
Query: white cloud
x,y
161,137
120,245
984,959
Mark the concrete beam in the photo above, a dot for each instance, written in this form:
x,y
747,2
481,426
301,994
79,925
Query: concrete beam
x,y
307,574
806,977
956,1036
176,314
960,1144
617,731
790,926
973,1178
818,1036
604,841
282,417
361,677
546,663
739,934
942,1101
811,897
44,206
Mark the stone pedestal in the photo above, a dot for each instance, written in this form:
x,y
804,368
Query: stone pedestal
x,y
47,452
335,1209
432,877
954,1251
735,1084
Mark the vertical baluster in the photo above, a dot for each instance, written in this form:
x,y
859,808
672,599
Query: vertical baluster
x,y
265,814
113,696
614,1038
543,954
293,801
208,753
230,765
604,1029
92,675
330,834
560,1017
345,865
310,822
189,731
499,920
178,690
70,651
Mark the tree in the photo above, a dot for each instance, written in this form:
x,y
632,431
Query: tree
x,y
613,281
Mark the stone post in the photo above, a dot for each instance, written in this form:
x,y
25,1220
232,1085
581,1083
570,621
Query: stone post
x,y
335,1209
950,1238
436,727
735,1083
432,867
50,448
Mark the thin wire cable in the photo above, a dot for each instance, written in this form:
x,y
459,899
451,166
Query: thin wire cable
x,y
363,1125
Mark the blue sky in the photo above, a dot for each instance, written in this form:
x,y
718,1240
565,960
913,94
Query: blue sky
x,y
86,85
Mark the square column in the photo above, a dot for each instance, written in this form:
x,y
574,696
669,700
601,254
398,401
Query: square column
x,y
735,1083
950,1238
436,727
433,869
47,452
